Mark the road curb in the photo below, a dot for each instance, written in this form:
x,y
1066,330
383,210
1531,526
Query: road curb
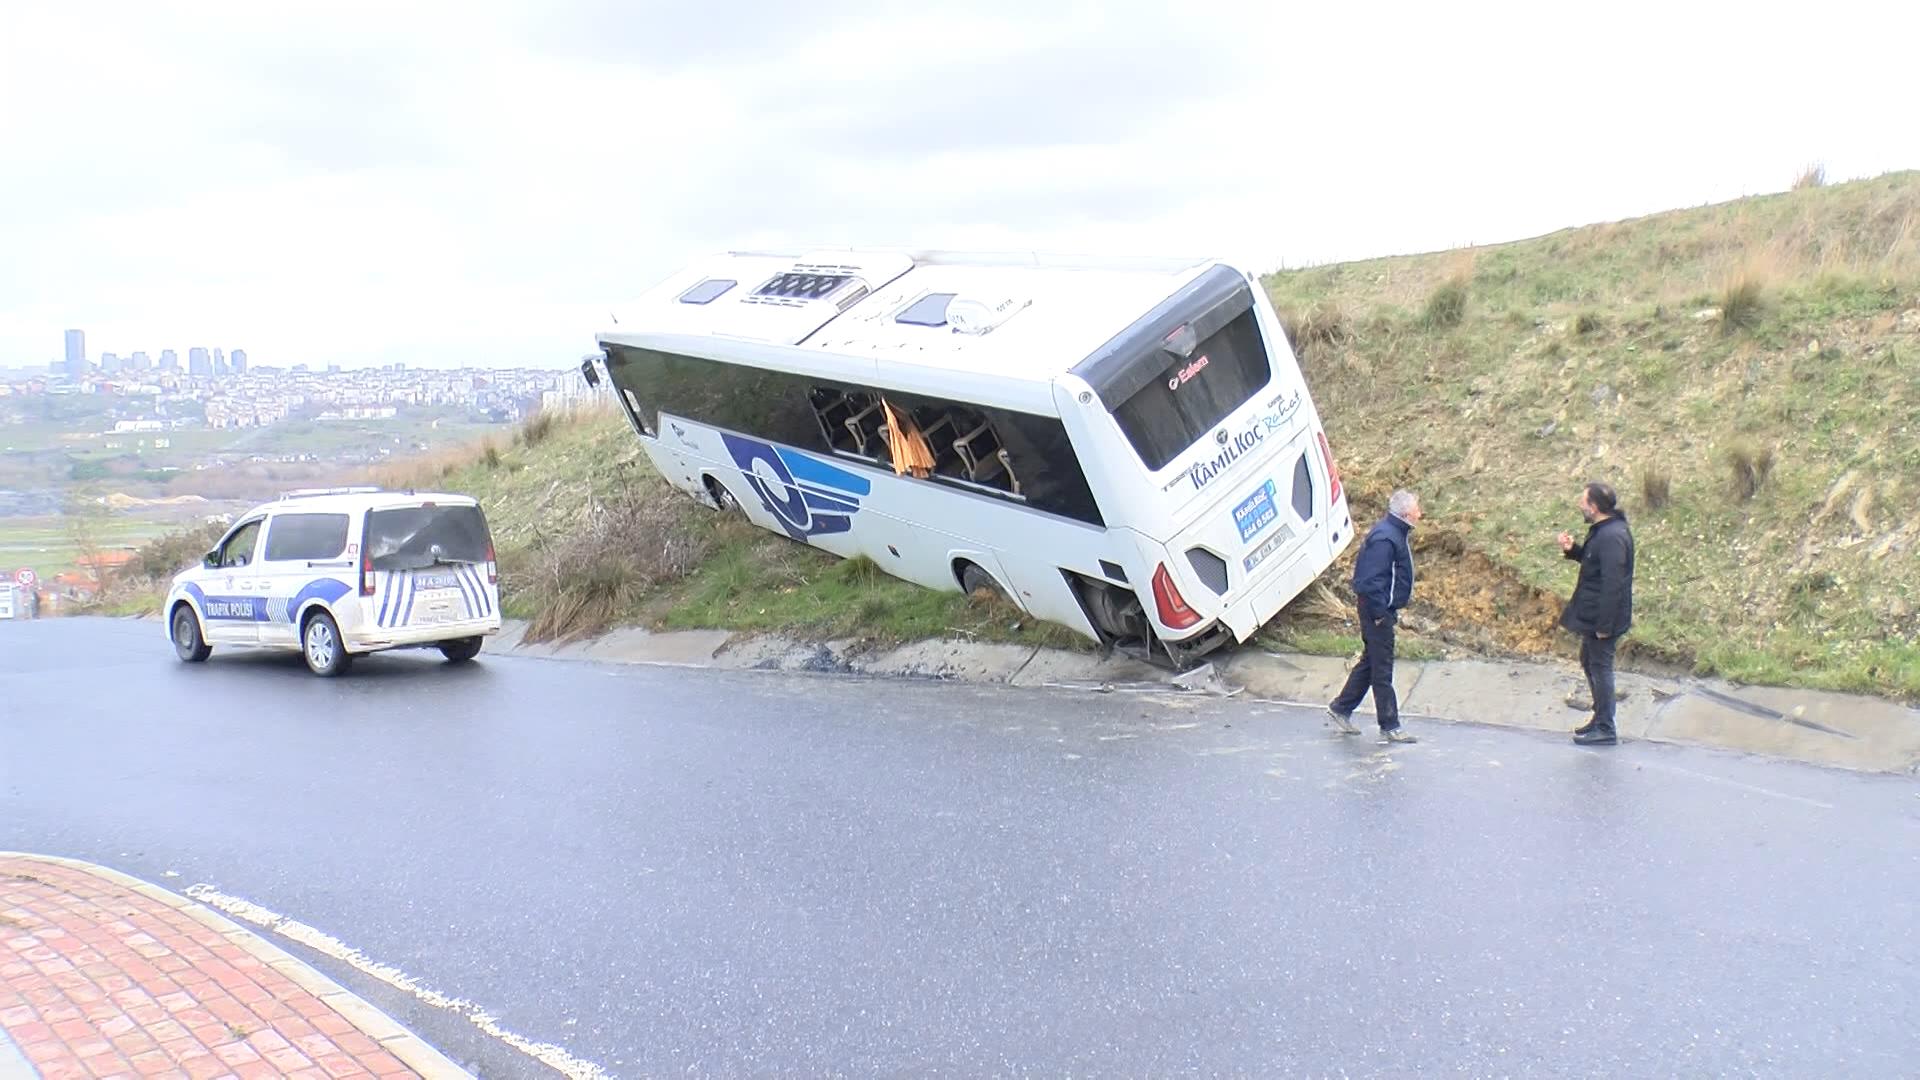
x,y
413,1051
1847,731
1855,732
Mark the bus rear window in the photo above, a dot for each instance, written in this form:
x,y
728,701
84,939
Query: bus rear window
x,y
416,537
1166,416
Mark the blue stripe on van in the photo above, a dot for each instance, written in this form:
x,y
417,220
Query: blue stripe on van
x,y
467,599
480,587
476,597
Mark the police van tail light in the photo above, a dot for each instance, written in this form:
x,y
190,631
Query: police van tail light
x,y
493,568
1173,608
366,575
1333,471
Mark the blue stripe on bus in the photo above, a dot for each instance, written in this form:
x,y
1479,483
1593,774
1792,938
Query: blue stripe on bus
x,y
813,471
829,502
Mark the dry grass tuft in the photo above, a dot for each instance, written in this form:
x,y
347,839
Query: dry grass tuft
x,y
535,429
1743,299
1813,176
592,578
1319,325
1750,465
1656,487
1447,304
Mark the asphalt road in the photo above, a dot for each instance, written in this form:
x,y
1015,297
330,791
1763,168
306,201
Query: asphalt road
x,y
676,871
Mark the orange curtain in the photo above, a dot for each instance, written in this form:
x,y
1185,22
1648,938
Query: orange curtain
x,y
910,451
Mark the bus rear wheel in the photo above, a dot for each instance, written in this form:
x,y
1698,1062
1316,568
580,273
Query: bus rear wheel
x,y
721,497
977,583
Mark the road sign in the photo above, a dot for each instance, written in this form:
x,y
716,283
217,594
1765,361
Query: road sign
x,y
25,578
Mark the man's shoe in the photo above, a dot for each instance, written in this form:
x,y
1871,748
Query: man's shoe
x,y
1398,735
1342,721
1583,728
1596,737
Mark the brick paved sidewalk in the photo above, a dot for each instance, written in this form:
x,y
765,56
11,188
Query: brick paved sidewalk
x,y
102,975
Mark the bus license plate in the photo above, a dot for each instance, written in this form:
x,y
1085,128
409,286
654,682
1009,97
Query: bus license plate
x,y
1256,513
1274,543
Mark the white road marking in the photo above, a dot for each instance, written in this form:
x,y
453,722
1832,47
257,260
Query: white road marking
x,y
1737,784
326,944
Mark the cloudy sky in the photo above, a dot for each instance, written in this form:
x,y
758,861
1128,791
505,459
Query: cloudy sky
x,y
480,182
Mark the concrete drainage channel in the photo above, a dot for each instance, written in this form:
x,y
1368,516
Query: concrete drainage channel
x,y
1840,730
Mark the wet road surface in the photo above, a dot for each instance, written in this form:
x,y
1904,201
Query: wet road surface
x,y
669,870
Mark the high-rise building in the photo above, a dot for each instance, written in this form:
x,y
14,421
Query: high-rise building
x,y
239,361
109,363
139,361
76,353
219,363
198,363
169,360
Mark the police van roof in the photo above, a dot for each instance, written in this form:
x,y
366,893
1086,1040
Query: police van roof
x,y
997,328
356,500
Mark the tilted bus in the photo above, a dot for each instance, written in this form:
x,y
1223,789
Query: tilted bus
x,y
1123,447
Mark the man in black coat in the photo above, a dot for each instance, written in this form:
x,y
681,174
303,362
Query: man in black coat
x,y
1602,606
1382,585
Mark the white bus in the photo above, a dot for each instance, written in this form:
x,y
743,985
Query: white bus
x,y
1123,447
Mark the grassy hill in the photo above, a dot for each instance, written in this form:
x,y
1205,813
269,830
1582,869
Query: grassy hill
x,y
1748,375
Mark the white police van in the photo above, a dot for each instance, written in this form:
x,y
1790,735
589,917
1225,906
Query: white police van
x,y
338,572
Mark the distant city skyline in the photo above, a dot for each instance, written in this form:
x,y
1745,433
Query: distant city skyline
x,y
75,361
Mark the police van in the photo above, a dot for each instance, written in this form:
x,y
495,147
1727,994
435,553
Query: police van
x,y
336,573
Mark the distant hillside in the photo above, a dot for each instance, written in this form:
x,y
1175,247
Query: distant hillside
x,y
1748,375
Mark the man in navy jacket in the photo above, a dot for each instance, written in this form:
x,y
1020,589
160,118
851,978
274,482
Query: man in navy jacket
x,y
1602,606
1382,584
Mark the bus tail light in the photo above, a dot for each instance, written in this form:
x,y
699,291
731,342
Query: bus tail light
x,y
1333,471
1173,608
493,567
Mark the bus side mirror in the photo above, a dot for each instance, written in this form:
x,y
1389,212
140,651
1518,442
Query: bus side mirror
x,y
588,373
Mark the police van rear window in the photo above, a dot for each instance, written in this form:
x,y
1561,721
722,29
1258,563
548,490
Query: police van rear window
x,y
416,537
1171,413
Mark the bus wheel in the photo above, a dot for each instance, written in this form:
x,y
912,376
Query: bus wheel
x,y
721,497
1115,613
975,581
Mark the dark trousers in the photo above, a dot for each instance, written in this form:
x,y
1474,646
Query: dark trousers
x,y
1373,672
1596,659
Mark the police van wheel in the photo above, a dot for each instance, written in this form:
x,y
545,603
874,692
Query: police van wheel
x,y
188,643
974,581
460,651
320,643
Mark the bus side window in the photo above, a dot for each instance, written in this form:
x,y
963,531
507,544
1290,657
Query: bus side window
x,y
983,457
965,446
851,422
636,412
